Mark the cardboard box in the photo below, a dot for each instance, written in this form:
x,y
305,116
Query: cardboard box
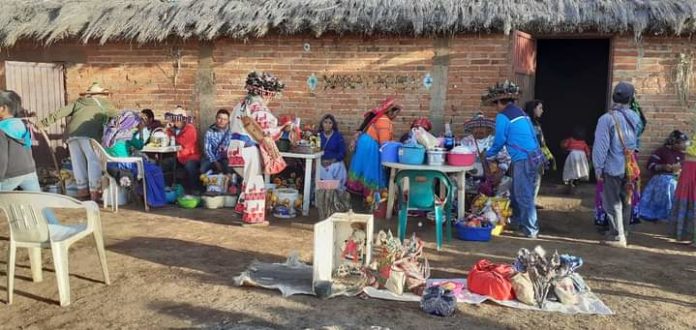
x,y
330,238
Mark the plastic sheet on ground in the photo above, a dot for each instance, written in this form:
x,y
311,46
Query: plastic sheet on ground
x,y
588,303
291,277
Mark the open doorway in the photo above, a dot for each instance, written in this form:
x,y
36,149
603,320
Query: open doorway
x,y
572,77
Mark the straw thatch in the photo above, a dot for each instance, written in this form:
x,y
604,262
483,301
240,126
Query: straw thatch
x,y
144,21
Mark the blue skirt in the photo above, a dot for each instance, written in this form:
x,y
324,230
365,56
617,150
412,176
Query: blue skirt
x,y
366,175
153,176
658,198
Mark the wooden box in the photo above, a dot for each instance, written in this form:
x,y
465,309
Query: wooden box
x,y
330,237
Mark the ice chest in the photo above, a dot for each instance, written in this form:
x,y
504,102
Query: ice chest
x,y
329,238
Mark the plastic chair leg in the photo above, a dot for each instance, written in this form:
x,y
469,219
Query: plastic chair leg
x,y
11,255
35,262
99,242
438,226
403,218
448,223
60,263
147,207
114,198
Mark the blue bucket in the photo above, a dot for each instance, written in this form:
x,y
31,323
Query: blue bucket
x,y
476,234
389,152
413,154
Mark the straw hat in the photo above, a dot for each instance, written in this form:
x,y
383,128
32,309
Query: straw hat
x,y
95,89
178,114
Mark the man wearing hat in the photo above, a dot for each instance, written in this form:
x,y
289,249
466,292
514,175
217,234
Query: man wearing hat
x,y
87,116
616,130
514,130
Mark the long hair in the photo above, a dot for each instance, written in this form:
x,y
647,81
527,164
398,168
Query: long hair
x,y
12,101
530,106
329,117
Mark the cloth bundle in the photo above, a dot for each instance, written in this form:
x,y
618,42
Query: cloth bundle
x,y
398,266
546,272
438,301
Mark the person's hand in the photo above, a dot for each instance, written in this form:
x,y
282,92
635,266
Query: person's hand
x,y
217,167
676,167
326,162
599,177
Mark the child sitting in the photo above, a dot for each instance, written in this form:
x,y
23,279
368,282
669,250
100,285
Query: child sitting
x,y
576,166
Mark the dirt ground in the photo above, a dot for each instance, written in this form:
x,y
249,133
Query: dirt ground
x,y
174,268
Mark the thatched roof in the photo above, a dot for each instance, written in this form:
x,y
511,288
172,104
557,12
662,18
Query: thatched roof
x,y
155,20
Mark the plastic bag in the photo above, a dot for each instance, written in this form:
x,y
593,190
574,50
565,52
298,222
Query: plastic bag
x,y
395,282
425,138
467,145
524,289
489,279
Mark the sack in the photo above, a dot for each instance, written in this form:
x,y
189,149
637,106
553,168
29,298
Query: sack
x,y
523,288
632,170
253,128
395,282
565,291
491,280
425,139
273,162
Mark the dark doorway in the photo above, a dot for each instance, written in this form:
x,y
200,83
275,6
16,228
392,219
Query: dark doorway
x,y
571,79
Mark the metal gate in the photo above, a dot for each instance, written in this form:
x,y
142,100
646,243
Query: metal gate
x,y
42,88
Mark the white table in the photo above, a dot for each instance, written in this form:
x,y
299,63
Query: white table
x,y
459,170
309,159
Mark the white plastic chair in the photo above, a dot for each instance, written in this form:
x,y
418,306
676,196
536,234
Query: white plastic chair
x,y
29,228
105,159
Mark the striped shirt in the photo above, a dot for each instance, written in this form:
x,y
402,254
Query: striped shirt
x,y
607,155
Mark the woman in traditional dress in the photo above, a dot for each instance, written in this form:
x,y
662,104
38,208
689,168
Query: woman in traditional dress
x,y
252,150
535,109
684,210
118,135
366,175
334,147
664,164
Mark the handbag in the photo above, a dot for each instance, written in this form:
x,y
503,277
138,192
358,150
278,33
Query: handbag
x,y
630,162
536,157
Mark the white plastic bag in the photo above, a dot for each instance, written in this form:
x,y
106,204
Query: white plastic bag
x,y
425,138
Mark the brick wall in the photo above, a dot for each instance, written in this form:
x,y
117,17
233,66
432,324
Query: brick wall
x,y
651,65
354,73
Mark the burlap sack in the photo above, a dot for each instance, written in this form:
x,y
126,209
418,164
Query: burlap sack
x,y
523,287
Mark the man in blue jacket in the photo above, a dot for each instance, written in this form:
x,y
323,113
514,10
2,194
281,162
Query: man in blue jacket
x,y
513,129
217,138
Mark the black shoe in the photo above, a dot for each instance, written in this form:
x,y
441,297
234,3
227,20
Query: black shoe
x,y
539,207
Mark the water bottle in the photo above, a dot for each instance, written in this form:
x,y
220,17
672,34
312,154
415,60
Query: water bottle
x,y
449,137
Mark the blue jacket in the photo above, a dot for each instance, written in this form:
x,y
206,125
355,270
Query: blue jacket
x,y
334,147
216,142
513,129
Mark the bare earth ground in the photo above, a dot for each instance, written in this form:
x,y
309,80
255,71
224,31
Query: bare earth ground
x,y
174,268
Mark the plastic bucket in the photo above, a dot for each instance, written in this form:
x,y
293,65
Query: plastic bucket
x,y
412,154
389,152
477,234
437,156
121,195
286,202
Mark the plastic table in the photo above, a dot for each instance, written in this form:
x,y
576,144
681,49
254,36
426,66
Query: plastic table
x,y
459,170
314,158
160,152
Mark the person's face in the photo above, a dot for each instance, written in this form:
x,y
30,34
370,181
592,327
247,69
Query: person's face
x,y
144,119
222,120
327,125
500,106
4,112
179,124
680,146
393,113
479,132
539,110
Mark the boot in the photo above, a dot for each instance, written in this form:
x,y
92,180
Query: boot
x,y
95,196
83,194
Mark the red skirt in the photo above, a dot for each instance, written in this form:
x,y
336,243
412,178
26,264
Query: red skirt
x,y
686,188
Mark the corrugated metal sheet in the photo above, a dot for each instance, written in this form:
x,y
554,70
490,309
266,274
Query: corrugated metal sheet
x,y
42,88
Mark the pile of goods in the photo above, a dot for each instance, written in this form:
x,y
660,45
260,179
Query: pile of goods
x,y
534,278
309,141
220,190
398,267
159,138
490,213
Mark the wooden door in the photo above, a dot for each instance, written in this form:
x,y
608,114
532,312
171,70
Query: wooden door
x,y
42,88
524,64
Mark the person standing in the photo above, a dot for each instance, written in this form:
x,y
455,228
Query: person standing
x,y
17,167
616,131
535,109
514,130
217,138
87,114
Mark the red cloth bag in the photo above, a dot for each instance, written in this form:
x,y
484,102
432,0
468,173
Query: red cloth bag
x,y
493,280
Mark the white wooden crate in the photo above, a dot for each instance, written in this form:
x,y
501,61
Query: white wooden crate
x,y
329,237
